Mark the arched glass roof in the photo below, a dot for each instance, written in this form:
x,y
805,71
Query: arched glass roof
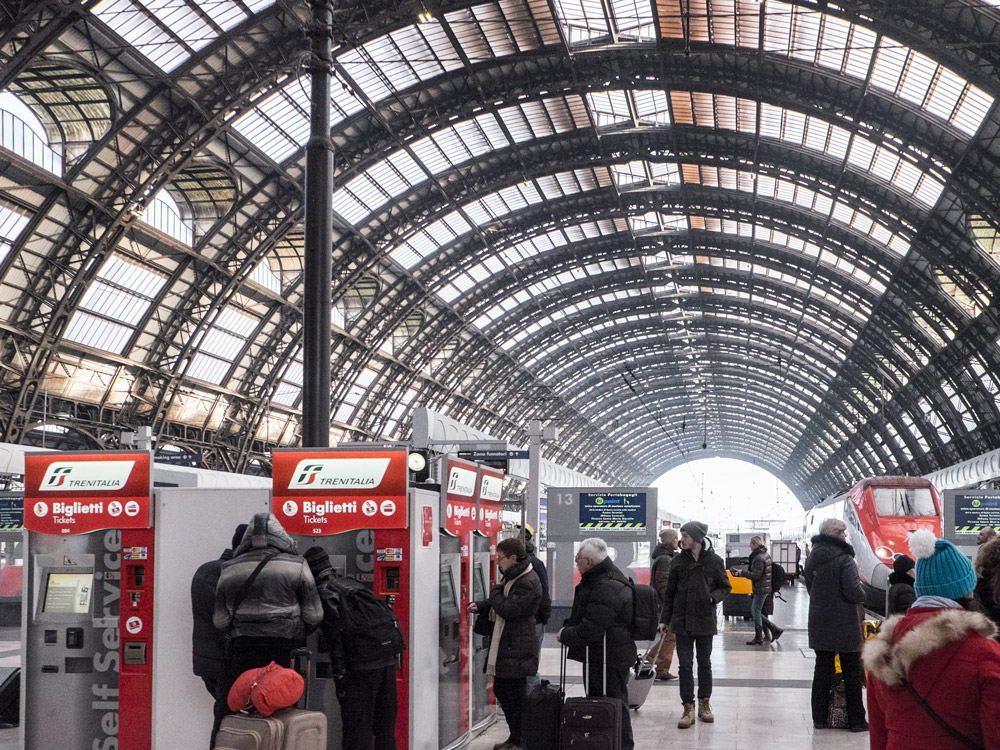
x,y
766,226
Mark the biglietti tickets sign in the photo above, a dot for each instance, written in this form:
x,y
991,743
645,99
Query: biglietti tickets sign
x,y
490,501
460,496
76,493
328,491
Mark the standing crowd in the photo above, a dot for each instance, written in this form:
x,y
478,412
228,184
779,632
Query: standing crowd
x,y
933,668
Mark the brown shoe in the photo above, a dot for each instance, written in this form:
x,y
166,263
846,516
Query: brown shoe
x,y
688,718
705,711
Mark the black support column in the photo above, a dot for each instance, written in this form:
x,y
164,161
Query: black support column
x,y
318,237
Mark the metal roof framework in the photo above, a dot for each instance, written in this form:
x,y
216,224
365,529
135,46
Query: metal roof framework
x,y
769,228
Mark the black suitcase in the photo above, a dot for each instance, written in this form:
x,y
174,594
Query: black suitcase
x,y
542,713
591,723
10,699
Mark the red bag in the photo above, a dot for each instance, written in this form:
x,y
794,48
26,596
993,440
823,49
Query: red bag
x,y
266,689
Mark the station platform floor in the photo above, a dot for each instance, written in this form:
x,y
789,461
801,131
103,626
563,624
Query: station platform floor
x,y
760,696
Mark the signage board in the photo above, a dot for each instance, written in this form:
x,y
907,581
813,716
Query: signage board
x,y
494,455
76,493
328,491
490,501
460,487
975,511
11,511
612,510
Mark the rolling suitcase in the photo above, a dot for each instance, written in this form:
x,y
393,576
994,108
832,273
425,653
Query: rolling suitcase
x,y
591,723
542,714
641,676
285,729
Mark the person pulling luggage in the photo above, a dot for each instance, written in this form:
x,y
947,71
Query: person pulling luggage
x,y
601,619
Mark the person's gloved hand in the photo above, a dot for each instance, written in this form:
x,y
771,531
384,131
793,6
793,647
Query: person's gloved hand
x,y
341,688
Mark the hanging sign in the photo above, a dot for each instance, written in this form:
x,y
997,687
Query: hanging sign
x,y
460,496
327,491
490,501
76,493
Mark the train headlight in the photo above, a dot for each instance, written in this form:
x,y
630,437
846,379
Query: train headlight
x,y
884,552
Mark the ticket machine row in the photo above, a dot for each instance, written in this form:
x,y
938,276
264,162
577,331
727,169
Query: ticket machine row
x,y
95,677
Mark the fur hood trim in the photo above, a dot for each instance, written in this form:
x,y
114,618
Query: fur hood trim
x,y
891,662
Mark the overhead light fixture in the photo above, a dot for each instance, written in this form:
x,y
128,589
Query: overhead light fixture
x,y
425,17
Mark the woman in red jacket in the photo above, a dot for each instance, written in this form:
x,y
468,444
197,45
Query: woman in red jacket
x,y
934,672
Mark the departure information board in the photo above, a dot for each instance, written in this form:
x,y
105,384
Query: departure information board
x,y
612,510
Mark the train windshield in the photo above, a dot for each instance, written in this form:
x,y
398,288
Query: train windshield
x,y
904,501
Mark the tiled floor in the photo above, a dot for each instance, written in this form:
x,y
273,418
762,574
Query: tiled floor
x,y
760,698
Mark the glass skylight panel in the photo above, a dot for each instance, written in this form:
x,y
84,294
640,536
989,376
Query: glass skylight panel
x,y
279,125
634,18
114,304
582,20
263,275
12,222
19,136
137,27
220,346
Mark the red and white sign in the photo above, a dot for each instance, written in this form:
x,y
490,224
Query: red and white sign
x,y
460,497
490,501
76,493
328,491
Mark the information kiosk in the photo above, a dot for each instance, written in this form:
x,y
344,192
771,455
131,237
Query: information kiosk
x,y
964,513
88,642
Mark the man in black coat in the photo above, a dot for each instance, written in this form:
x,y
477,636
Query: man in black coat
x,y
545,606
208,645
835,600
696,585
602,615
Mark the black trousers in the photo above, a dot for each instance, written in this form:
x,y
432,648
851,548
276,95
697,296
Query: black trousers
x,y
823,676
617,688
368,708
686,645
510,692
250,653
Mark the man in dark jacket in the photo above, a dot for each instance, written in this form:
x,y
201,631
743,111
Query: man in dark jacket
x,y
759,572
280,608
602,616
208,644
514,648
697,583
835,597
366,685
545,606
659,572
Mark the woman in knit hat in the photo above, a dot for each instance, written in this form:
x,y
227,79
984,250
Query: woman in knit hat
x,y
934,673
901,593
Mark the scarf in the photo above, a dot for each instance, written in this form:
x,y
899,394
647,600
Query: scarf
x,y
498,625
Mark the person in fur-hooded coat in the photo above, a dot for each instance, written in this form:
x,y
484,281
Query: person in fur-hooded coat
x,y
944,652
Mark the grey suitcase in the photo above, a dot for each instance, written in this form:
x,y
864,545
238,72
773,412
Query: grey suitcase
x,y
641,676
286,729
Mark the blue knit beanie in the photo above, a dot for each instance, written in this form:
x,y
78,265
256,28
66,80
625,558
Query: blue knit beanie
x,y
941,569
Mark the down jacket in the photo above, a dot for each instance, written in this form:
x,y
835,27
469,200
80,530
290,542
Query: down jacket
x,y
759,571
901,593
694,589
208,645
517,654
282,602
602,604
949,658
835,592
659,571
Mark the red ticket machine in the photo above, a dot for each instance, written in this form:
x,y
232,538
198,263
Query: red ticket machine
x,y
88,671
484,549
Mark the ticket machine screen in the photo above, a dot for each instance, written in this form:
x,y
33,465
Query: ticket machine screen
x,y
68,593
478,584
448,598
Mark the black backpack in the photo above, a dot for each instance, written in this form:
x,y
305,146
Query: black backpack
x,y
778,577
645,612
369,628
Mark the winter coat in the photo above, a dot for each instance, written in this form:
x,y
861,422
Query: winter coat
x,y
332,629
545,606
208,644
949,658
901,593
602,604
517,655
835,593
282,602
759,571
694,588
659,570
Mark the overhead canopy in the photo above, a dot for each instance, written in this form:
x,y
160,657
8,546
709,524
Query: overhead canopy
x,y
675,229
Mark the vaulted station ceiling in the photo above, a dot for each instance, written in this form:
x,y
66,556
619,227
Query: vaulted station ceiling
x,y
675,229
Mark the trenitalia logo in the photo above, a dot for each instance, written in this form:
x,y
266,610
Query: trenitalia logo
x,y
461,481
86,476
338,473
491,488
